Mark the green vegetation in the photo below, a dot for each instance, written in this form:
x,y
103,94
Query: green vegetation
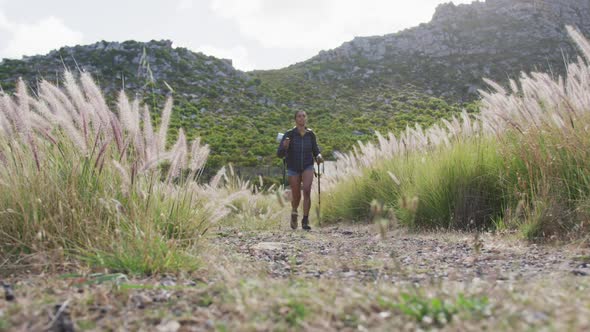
x,y
521,164
435,311
296,313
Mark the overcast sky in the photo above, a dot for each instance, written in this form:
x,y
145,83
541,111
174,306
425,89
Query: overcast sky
x,y
255,34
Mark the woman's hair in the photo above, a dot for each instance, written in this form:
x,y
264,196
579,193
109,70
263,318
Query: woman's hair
x,y
297,112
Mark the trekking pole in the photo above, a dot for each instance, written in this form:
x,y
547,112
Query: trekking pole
x,y
319,197
285,173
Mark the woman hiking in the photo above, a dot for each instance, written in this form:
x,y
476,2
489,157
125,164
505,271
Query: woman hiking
x,y
299,146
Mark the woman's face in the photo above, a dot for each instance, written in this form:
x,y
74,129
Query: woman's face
x,y
301,119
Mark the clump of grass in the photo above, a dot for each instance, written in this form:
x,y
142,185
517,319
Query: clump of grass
x,y
541,123
296,312
450,187
456,187
80,178
434,310
522,163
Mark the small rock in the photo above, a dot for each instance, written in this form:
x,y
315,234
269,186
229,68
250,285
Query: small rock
x,y
8,292
163,296
269,246
167,282
141,300
581,273
170,326
469,261
63,321
533,317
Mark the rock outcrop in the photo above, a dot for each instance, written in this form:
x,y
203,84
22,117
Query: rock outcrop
x,y
449,55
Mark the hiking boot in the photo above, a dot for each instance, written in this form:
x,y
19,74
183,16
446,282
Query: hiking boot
x,y
305,223
293,220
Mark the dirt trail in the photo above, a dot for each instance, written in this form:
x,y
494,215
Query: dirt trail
x,y
336,278
358,253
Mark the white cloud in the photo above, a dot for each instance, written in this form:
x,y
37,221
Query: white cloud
x,y
4,24
322,24
184,5
40,37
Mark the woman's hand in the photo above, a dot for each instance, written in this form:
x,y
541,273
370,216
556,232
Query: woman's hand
x,y
319,159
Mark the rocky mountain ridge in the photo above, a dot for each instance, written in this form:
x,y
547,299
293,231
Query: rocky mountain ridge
x,y
143,68
462,43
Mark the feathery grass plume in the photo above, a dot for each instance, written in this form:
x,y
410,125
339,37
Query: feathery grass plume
x,y
580,41
100,157
179,156
148,135
39,123
214,182
125,113
126,179
26,117
117,133
43,109
136,134
53,96
61,117
96,100
165,122
497,87
5,128
6,122
199,154
75,105
10,109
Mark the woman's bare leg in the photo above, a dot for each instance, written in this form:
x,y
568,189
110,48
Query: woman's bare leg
x,y
295,183
307,182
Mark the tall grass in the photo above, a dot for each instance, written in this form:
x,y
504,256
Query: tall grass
x,y
453,186
523,162
78,178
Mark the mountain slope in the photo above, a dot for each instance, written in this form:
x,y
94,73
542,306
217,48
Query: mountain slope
x,y
448,56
